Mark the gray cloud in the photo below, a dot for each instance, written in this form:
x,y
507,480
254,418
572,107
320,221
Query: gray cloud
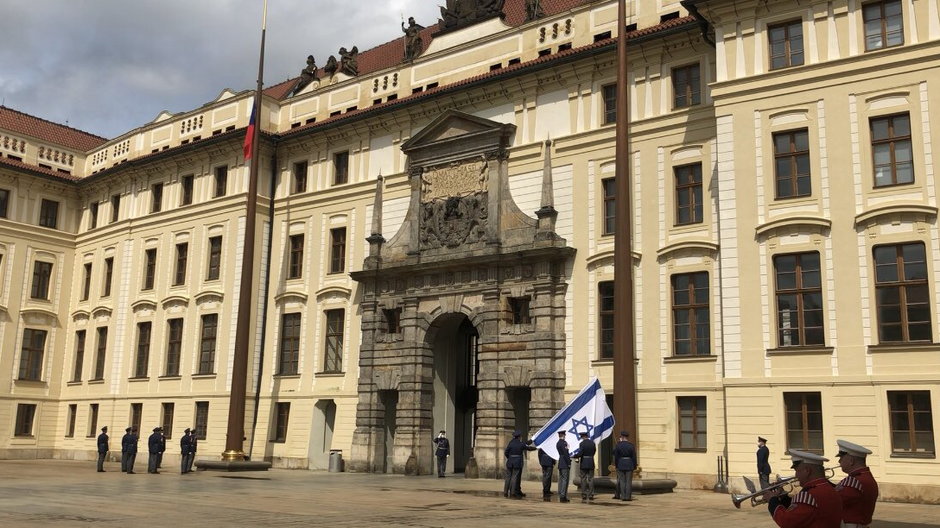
x,y
109,66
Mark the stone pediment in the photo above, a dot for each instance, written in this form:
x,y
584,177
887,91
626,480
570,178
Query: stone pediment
x,y
455,135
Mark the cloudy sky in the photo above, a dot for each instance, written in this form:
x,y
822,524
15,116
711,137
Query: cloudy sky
x,y
109,66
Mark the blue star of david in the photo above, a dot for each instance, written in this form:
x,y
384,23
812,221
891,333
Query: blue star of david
x,y
583,421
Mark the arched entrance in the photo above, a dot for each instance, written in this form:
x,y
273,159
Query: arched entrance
x,y
455,344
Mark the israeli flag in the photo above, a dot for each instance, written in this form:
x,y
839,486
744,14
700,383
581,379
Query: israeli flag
x,y
588,412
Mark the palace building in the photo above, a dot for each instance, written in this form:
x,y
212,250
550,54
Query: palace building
x,y
435,245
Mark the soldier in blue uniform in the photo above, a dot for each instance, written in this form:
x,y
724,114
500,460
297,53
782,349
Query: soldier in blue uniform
x,y
185,446
548,467
763,463
162,448
103,448
513,453
564,467
154,448
585,455
129,450
193,445
625,461
442,452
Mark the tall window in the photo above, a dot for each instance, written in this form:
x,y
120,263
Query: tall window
x,y
108,275
893,157
282,415
902,293
334,341
884,24
42,274
25,414
79,355
34,345
300,177
167,422
210,324
186,191
693,429
86,282
337,250
799,300
687,86
519,310
202,419
150,268
791,164
689,194
220,181
215,258
115,207
93,215
804,421
137,413
295,266
101,353
174,346
179,272
49,214
143,349
911,423
605,294
786,44
340,168
92,420
156,198
70,425
691,327
610,103
289,354
4,203
610,205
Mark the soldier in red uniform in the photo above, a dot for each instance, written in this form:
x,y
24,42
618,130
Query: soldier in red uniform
x,y
858,489
817,505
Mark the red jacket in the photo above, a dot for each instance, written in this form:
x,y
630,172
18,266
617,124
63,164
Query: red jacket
x,y
859,492
817,505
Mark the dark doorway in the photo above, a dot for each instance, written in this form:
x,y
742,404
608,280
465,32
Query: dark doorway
x,y
389,400
456,366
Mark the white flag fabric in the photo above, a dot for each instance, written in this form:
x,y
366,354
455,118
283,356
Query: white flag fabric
x,y
587,412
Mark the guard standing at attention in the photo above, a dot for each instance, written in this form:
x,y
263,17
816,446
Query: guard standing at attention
x,y
127,434
817,505
129,448
185,445
442,452
162,448
585,455
858,489
625,461
104,445
154,444
763,463
193,444
564,467
548,467
513,453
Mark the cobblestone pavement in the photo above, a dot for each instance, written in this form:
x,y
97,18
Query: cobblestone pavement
x,y
65,493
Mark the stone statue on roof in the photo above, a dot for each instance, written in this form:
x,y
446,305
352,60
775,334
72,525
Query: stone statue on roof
x,y
331,66
413,42
533,10
307,75
348,61
459,13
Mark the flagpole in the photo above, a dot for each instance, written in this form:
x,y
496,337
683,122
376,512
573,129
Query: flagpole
x,y
234,439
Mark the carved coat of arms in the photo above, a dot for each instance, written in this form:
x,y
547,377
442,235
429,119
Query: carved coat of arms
x,y
454,206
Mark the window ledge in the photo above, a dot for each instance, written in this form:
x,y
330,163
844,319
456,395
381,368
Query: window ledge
x,y
286,376
98,381
602,362
691,450
75,383
799,350
31,383
170,378
924,456
209,375
137,379
690,359
905,347
330,374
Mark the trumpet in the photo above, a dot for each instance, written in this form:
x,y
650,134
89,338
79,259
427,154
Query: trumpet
x,y
783,486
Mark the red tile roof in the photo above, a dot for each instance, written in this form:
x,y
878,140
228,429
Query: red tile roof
x,y
54,133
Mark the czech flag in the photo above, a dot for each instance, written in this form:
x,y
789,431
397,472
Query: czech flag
x,y
250,135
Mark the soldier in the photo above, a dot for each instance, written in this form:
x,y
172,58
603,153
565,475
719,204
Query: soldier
x,y
103,448
193,444
513,453
817,505
548,467
625,461
858,489
442,452
564,467
162,448
154,444
129,450
585,455
185,455
763,463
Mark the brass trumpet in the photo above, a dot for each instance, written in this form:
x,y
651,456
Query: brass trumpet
x,y
783,486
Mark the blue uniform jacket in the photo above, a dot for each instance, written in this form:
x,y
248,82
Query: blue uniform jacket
x,y
763,460
155,443
514,452
103,446
545,460
564,458
185,444
129,444
443,446
586,454
625,456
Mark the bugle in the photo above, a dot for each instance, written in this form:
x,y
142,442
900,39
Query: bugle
x,y
781,487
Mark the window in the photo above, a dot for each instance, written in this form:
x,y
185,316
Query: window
x,y
186,191
34,345
687,86
519,310
86,282
605,298
143,350
49,214
215,258
280,422
137,412
337,250
334,340
156,198
92,420
610,103
804,421
150,268
911,423
42,274
167,421
786,44
300,177
296,262
93,215
179,273
115,207
693,430
210,323
79,355
689,194
174,346
691,326
202,419
289,354
799,300
884,24
221,181
25,413
70,425
902,293
101,353
893,157
4,203
340,168
392,320
791,164
108,275
610,205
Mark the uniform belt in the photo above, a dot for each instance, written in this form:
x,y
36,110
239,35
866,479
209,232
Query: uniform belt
x,y
515,456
